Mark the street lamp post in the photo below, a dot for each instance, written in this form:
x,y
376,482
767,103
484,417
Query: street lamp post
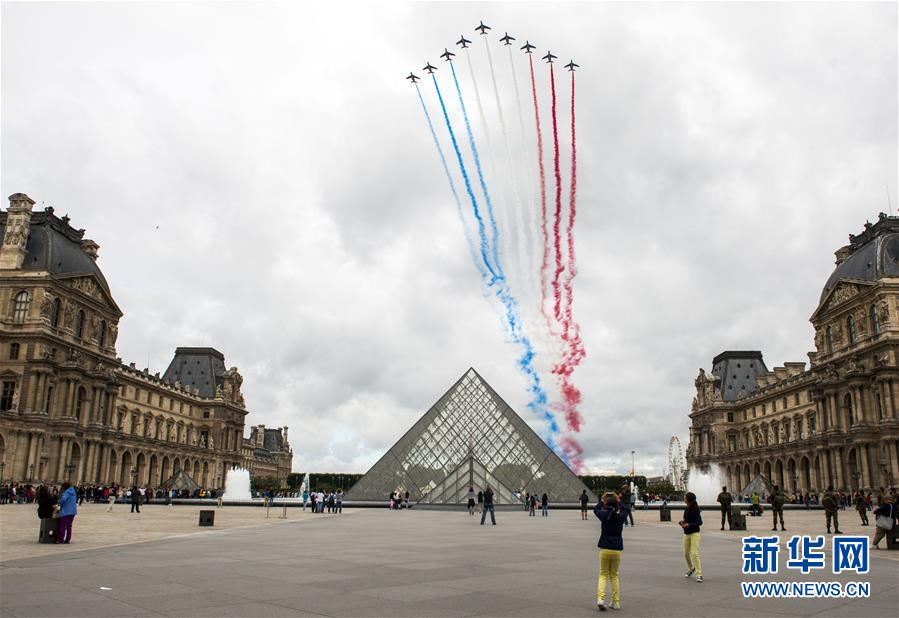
x,y
70,467
2,465
30,471
133,476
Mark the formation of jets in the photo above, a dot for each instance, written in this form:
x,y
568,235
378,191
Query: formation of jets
x,y
506,39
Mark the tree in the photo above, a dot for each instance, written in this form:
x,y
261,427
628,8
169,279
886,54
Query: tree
x,y
294,480
261,483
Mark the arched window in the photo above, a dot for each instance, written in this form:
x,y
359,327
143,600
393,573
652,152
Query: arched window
x,y
79,324
847,405
829,339
55,310
850,329
81,403
20,306
875,323
101,337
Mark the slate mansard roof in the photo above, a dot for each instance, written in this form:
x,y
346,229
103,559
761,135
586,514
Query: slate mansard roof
x,y
737,370
870,256
198,368
55,246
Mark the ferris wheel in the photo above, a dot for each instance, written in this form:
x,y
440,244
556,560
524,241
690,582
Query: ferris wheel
x,y
676,463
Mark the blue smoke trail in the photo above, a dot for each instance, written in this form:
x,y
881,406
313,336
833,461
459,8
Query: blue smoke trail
x,y
468,239
482,232
477,163
538,403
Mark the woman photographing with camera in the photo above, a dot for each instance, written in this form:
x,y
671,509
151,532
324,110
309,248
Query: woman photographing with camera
x,y
611,545
690,523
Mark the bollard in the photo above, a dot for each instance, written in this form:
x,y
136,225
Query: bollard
x,y
284,512
266,510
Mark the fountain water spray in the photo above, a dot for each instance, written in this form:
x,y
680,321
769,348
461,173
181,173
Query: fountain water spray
x,y
705,483
237,484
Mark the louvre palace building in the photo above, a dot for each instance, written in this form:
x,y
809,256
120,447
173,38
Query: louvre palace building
x,y
834,422
71,410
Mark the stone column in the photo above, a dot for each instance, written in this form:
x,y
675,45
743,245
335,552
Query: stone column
x,y
865,478
838,465
63,458
893,456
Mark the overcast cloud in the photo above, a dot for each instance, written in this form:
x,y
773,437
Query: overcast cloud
x,y
305,228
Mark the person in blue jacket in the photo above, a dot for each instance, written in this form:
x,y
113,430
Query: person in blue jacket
x,y
690,523
611,545
67,510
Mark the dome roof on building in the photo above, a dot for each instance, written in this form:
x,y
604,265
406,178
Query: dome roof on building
x,y
870,256
55,246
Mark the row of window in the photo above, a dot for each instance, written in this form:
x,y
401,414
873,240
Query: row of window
x,y
22,301
160,400
851,333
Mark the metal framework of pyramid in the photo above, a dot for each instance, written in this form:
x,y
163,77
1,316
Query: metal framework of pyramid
x,y
470,437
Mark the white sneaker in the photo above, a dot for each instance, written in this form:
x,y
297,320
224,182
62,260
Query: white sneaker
x,y
699,579
601,606
615,605
689,573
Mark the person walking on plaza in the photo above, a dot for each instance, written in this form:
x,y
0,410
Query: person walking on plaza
x,y
691,523
725,500
625,503
585,500
135,500
862,507
488,506
45,503
527,502
777,508
480,501
338,499
830,504
67,511
544,504
111,499
611,546
884,519
532,505
756,500
471,503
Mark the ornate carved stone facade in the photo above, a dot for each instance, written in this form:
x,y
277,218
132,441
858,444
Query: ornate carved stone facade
x,y
267,453
69,408
835,423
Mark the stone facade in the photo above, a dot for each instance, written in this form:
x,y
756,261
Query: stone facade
x,y
833,423
70,409
267,453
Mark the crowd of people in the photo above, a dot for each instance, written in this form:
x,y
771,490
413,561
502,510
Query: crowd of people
x,y
26,493
320,501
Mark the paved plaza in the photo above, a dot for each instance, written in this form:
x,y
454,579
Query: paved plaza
x,y
374,562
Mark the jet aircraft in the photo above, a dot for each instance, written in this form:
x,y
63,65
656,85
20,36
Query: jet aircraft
x,y
430,69
507,39
447,55
571,66
483,28
412,77
527,47
463,42
549,57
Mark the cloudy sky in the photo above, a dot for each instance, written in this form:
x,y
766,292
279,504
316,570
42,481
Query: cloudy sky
x,y
261,179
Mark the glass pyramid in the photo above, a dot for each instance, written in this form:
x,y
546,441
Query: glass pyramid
x,y
469,437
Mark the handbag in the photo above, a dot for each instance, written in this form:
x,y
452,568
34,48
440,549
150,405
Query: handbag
x,y
55,511
884,523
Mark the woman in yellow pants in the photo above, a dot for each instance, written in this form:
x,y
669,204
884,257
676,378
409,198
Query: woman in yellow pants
x,y
611,545
690,523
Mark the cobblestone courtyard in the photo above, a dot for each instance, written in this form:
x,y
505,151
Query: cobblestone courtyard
x,y
380,563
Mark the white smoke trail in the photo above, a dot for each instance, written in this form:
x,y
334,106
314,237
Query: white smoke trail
x,y
520,245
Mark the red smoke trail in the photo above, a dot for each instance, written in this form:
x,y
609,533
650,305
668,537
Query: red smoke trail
x,y
570,329
544,264
573,451
557,238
